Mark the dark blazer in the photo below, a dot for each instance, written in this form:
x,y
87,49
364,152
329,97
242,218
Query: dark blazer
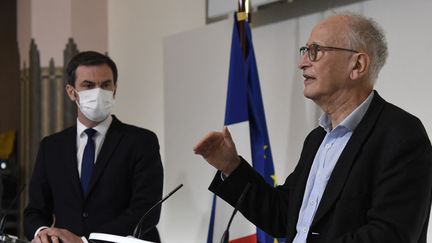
x,y
379,191
127,180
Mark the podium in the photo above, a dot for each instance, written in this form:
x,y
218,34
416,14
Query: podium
x,y
102,238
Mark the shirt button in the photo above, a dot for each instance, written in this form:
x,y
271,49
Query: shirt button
x,y
85,214
312,202
327,146
304,230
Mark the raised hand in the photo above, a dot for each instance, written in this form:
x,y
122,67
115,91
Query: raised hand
x,y
219,150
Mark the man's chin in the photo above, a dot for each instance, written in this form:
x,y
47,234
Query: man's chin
x,y
308,93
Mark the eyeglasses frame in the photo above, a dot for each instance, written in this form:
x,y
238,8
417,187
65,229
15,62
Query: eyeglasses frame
x,y
318,48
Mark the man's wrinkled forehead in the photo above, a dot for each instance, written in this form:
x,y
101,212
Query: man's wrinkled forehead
x,y
330,31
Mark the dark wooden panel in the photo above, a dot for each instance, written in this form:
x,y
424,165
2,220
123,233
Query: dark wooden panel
x,y
9,67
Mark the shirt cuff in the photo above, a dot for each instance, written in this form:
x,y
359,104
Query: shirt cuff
x,y
84,239
39,230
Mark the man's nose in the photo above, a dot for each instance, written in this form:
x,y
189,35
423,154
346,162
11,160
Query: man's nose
x,y
303,61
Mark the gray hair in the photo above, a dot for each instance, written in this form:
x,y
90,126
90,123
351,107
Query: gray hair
x,y
365,33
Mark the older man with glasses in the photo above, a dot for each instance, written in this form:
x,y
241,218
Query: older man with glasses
x,y
364,175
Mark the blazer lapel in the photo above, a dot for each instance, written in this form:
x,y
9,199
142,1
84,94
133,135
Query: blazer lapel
x,y
347,158
307,158
305,163
71,159
112,139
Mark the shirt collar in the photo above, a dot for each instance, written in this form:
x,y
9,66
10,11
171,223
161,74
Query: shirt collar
x,y
101,128
352,120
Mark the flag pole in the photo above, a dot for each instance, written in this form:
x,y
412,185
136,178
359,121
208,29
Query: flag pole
x,y
243,14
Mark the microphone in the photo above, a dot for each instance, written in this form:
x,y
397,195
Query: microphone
x,y
137,231
4,214
225,236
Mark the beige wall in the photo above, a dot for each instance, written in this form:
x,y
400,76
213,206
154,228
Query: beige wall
x,y
50,26
23,30
52,22
89,24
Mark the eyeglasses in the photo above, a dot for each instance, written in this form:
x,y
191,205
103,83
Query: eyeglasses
x,y
313,49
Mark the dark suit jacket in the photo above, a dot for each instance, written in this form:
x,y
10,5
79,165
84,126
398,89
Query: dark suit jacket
x,y
379,191
126,181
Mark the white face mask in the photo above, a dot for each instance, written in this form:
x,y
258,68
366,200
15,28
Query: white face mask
x,y
96,104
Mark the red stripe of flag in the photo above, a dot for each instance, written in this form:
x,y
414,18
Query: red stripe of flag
x,y
246,239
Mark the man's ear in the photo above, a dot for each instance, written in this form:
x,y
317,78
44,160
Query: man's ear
x,y
70,90
361,65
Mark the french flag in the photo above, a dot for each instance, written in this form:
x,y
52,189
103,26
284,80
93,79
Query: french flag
x,y
245,118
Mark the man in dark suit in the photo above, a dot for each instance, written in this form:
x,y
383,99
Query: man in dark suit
x,y
364,175
99,176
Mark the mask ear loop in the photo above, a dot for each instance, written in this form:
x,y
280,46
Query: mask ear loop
x,y
76,97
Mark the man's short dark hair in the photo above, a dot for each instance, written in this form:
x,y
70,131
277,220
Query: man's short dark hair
x,y
88,58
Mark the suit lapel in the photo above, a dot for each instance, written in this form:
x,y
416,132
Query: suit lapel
x,y
71,159
112,139
305,163
347,158
307,158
